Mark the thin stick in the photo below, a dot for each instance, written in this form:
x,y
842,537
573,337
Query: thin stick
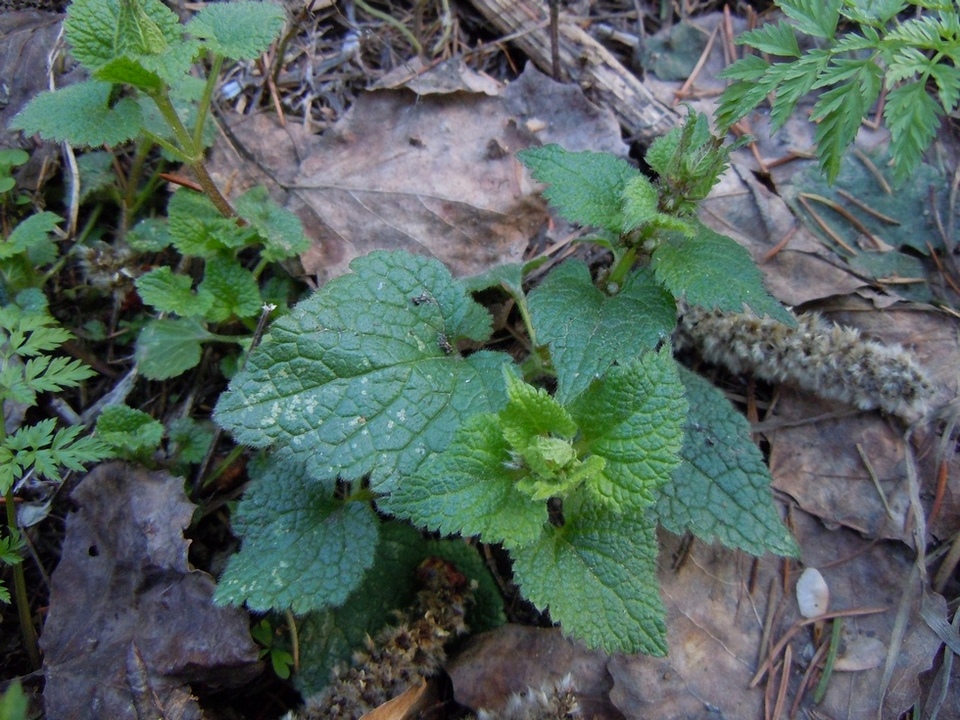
x,y
685,88
846,215
866,208
772,252
878,176
876,481
784,682
555,38
796,627
824,225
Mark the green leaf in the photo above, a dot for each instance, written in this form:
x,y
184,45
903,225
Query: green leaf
x,y
145,32
585,187
839,112
31,237
11,158
715,272
168,347
233,290
639,202
879,12
166,292
779,39
721,492
913,118
633,418
96,172
11,548
149,235
129,430
190,438
329,637
794,81
947,78
80,114
46,452
280,229
302,548
813,17
469,489
597,575
363,376
129,71
13,704
199,230
751,67
53,374
93,28
237,30
604,329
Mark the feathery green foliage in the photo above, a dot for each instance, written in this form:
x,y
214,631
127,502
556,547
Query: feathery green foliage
x,y
910,48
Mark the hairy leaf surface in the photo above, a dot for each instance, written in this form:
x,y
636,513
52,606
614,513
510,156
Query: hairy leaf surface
x,y
302,549
714,271
238,30
585,187
597,575
168,347
721,491
165,291
633,418
604,328
469,489
128,429
81,115
363,377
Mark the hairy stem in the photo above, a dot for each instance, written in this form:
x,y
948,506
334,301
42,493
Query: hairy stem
x,y
20,591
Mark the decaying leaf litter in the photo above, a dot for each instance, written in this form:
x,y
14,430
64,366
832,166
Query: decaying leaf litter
x,y
433,171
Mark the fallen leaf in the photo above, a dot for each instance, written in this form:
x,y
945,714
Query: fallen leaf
x,y
716,604
433,174
509,660
407,705
131,624
860,652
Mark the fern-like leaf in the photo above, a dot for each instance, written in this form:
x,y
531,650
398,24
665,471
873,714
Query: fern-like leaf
x,y
913,117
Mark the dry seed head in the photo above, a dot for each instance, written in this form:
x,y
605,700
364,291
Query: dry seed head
x,y
831,361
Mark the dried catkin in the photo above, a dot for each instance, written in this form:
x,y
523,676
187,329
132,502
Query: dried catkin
x,y
827,359
554,701
399,655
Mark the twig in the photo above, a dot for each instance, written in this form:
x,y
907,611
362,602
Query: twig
x,y
824,225
848,216
866,208
685,88
796,627
876,481
878,176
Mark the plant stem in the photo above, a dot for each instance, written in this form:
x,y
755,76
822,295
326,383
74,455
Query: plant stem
x,y
20,591
193,153
619,271
204,110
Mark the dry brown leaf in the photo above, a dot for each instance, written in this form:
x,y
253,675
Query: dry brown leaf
x,y
432,174
513,658
131,624
715,626
407,705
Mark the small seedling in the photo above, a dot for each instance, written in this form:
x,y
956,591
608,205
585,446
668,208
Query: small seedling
x,y
573,483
